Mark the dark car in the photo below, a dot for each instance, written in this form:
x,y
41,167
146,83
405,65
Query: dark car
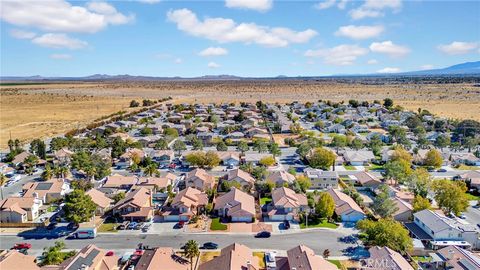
x,y
286,224
52,225
441,170
263,234
210,245
180,224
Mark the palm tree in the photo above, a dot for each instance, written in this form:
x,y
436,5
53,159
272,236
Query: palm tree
x,y
90,172
3,179
47,174
191,250
151,169
61,171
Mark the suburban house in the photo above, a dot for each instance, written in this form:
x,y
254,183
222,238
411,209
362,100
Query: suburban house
x,y
19,209
6,170
126,159
102,202
286,204
163,258
241,177
186,204
199,179
229,158
404,212
137,205
14,260
322,179
47,191
345,207
279,178
464,158
384,258
438,231
118,181
154,183
233,257
163,157
455,258
303,257
20,158
236,205
63,155
471,177
89,257
366,180
358,157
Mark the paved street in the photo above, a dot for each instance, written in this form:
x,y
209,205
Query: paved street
x,y
14,189
318,240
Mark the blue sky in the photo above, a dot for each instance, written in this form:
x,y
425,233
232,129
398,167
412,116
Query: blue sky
x,y
239,37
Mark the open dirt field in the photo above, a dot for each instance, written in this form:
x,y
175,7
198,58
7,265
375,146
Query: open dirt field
x,y
31,111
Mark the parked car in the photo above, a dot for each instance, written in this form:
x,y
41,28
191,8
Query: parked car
x,y
138,226
462,216
180,224
263,234
132,225
270,260
286,224
210,245
22,246
110,253
441,170
124,225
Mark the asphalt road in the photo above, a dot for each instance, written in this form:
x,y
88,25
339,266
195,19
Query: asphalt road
x,y
14,189
318,240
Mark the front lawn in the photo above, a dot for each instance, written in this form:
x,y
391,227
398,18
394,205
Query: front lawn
x,y
349,167
216,225
108,227
261,259
318,224
265,200
375,167
472,197
467,168
422,258
337,263
206,256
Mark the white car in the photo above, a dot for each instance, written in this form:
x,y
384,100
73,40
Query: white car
x,y
16,178
270,260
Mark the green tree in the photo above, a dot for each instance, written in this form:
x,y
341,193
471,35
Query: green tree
x,y
321,158
221,146
303,182
29,163
161,144
433,158
260,146
388,103
296,128
274,149
37,147
339,141
267,161
191,251
170,132
325,205
243,147
179,146
420,203
303,149
450,196
3,179
383,205
54,255
419,182
134,104
397,170
118,147
47,174
197,144
79,207
386,233
150,170
442,141
118,197
356,144
375,144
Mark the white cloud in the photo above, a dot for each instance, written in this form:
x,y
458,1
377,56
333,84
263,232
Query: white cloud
x,y
59,41
372,62
375,8
259,5
21,34
389,48
149,1
61,16
426,67
341,4
389,70
325,4
213,51
458,47
227,30
360,31
213,65
341,55
178,61
61,56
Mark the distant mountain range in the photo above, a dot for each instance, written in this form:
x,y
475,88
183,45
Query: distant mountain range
x,y
468,69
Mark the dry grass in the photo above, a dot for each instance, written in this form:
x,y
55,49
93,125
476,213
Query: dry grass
x,y
206,256
31,111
